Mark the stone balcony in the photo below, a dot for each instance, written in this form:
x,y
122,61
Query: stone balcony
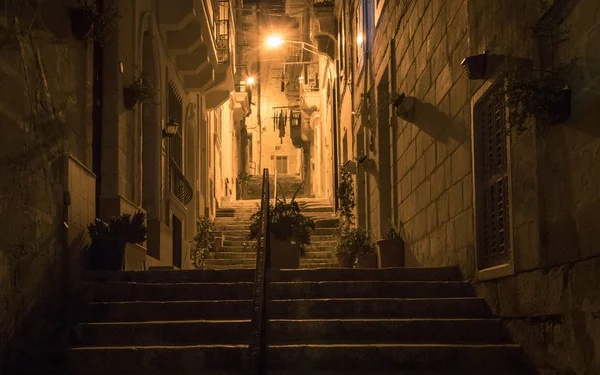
x,y
195,43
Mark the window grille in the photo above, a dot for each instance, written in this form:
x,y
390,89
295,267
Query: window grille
x,y
175,111
492,180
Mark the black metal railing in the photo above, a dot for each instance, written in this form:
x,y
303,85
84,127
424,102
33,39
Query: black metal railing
x,y
222,40
258,338
179,186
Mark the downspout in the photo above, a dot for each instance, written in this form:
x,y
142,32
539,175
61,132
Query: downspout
x,y
258,85
97,89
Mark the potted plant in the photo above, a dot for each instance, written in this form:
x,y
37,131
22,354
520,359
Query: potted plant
x,y
142,90
289,229
355,245
87,21
391,248
541,94
204,241
107,251
242,181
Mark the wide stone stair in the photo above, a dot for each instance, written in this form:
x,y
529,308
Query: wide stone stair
x,y
234,223
325,321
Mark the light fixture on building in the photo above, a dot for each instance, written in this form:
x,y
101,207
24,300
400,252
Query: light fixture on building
x,y
301,79
250,81
476,66
170,129
405,108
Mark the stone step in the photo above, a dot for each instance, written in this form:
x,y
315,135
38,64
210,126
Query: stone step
x,y
314,246
343,274
407,308
125,291
292,331
304,263
137,360
252,255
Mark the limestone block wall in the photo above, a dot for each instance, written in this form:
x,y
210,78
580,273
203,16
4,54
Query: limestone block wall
x,y
422,43
548,295
45,112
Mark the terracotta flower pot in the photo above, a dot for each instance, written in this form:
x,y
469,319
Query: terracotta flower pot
x,y
345,261
391,253
82,22
129,98
106,255
284,254
368,260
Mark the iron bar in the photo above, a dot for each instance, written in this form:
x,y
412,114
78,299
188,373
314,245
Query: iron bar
x,y
258,339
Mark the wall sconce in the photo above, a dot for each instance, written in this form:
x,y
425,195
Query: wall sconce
x,y
476,66
405,109
170,129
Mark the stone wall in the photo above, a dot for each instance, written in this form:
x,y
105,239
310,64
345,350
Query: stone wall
x,y
45,107
548,295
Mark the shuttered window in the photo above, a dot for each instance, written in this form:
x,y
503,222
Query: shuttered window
x,y
282,164
492,179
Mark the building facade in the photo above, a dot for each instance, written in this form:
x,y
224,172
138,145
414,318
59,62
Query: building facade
x,y
479,176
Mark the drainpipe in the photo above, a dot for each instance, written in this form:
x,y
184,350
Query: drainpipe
x,y
258,85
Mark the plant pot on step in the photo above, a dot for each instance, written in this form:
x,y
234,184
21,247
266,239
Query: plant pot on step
x,y
82,22
345,260
129,98
284,254
391,253
367,260
105,255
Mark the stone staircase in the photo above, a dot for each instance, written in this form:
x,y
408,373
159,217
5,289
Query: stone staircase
x,y
234,223
289,183
325,321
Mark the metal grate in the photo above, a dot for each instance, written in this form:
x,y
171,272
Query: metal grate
x,y
179,186
222,40
492,180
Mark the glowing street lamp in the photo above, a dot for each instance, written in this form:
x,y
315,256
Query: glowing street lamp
x,y
274,41
250,81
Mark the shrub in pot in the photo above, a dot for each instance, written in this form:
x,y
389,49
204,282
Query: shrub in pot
x,y
142,90
354,245
391,248
204,241
107,251
90,22
289,229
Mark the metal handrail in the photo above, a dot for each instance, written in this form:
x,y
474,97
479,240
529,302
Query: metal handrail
x,y
258,338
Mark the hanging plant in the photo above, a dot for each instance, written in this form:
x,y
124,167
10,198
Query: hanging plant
x,y
540,94
89,22
142,90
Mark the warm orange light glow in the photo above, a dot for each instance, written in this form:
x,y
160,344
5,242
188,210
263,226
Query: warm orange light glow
x,y
250,80
359,39
274,41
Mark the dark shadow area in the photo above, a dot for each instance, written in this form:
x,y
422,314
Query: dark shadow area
x,y
435,123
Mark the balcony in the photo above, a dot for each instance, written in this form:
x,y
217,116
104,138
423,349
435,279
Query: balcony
x,y
222,41
178,185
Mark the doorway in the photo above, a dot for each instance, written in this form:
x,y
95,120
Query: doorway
x,y
177,242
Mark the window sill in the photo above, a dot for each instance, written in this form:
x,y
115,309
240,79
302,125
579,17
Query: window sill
x,y
496,272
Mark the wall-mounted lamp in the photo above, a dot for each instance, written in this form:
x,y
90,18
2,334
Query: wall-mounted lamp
x,y
250,81
476,66
405,108
170,129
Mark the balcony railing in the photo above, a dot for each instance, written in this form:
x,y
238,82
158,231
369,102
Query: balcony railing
x,y
222,41
179,186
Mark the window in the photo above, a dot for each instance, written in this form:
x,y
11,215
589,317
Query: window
x,y
492,180
281,164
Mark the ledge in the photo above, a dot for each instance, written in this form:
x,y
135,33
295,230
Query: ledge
x,y
496,272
